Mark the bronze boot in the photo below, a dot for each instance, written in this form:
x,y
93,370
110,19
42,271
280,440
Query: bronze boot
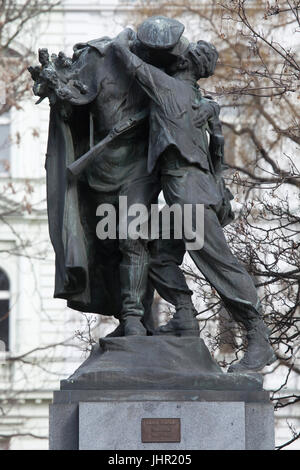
x,y
259,352
184,322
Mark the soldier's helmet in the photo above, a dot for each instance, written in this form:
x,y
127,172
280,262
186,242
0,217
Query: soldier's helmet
x,y
162,33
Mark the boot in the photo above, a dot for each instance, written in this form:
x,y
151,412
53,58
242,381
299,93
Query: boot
x,y
117,332
184,322
134,327
259,352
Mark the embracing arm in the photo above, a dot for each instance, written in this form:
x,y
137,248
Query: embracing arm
x,y
216,144
128,61
150,78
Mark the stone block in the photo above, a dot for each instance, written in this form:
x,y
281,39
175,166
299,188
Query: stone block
x,y
63,427
204,426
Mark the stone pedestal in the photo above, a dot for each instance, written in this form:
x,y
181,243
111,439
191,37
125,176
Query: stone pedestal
x,y
159,393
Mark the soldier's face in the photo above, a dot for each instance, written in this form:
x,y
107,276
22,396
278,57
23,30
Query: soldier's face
x,y
179,64
159,58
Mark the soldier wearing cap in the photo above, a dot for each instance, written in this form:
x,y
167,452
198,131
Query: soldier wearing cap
x,y
179,151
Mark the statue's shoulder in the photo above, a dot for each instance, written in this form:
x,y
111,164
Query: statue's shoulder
x,y
99,44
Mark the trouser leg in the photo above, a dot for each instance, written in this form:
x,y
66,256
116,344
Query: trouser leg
x,y
166,256
135,257
230,279
166,277
239,294
215,260
149,321
237,291
133,277
133,272
225,273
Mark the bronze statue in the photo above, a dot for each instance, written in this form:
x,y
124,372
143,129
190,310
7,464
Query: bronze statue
x,y
128,119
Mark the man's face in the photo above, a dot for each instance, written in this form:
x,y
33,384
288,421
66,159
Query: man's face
x,y
174,66
159,58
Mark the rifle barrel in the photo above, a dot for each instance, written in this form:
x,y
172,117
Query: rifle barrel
x,y
80,164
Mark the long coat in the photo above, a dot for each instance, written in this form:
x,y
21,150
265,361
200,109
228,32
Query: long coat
x,y
84,275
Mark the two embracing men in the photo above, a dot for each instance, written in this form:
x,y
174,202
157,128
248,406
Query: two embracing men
x,y
133,104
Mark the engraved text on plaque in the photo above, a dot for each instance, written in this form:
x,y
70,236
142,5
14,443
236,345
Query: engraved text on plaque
x,y
161,430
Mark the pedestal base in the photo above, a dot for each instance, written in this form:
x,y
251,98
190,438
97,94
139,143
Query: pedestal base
x,y
208,420
155,363
161,393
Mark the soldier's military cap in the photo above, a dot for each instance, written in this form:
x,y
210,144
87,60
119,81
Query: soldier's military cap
x,y
160,32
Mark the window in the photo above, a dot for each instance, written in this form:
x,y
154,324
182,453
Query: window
x,y
4,311
5,142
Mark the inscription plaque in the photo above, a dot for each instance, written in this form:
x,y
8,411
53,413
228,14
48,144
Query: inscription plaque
x,y
161,430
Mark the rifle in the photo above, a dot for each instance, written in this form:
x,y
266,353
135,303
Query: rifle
x,y
79,165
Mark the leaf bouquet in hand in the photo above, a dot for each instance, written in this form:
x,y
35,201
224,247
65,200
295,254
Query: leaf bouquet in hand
x,y
51,78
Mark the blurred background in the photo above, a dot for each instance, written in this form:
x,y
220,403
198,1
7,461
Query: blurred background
x,y
257,86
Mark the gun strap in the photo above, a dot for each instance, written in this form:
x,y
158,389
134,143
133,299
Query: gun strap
x,y
91,131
